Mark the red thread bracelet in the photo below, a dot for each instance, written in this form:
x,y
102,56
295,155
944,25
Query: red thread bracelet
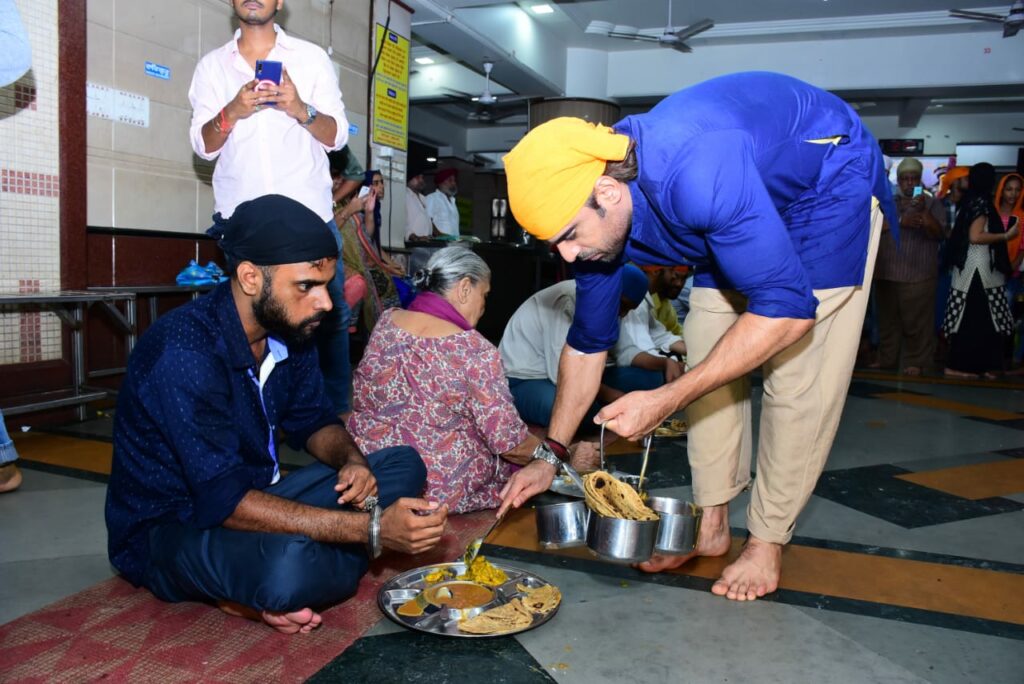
x,y
224,127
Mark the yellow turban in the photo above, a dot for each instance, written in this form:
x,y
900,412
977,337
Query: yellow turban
x,y
551,172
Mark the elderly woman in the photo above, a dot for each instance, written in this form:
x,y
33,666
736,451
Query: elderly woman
x,y
429,380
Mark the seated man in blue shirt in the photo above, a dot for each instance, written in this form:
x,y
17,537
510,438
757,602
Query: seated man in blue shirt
x,y
766,185
197,509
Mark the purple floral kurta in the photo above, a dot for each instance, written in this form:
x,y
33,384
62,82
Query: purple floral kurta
x,y
448,398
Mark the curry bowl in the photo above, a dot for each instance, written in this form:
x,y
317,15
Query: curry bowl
x,y
621,540
460,599
679,524
562,525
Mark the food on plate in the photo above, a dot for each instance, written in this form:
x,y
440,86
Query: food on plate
x,y
458,595
439,575
673,427
483,572
507,618
613,499
540,600
516,614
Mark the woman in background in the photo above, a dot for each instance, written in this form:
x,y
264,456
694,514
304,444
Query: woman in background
x,y
978,318
361,255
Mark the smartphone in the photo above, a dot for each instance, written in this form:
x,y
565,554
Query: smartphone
x,y
268,73
918,190
364,191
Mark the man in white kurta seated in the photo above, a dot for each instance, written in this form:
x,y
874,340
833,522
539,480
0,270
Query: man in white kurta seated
x,y
534,337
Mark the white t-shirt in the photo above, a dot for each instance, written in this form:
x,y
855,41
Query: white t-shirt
x,y
640,331
417,220
533,339
442,211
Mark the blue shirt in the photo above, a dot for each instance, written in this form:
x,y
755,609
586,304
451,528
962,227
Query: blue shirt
x,y
731,183
191,436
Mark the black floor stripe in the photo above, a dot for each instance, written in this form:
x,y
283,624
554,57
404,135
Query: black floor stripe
x,y
790,597
76,473
902,554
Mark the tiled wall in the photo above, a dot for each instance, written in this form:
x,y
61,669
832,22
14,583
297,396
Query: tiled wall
x,y
148,178
30,190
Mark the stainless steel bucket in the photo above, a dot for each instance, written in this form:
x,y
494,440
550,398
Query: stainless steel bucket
x,y
617,539
562,525
679,526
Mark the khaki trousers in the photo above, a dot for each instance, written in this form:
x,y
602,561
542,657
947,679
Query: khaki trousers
x,y
805,387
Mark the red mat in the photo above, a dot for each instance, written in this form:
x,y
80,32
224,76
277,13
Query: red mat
x,y
117,633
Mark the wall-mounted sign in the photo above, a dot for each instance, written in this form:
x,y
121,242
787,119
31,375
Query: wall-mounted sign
x,y
390,124
158,71
118,105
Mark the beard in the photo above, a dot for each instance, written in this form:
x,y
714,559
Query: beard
x,y
271,315
248,17
617,231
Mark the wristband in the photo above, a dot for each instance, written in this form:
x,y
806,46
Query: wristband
x,y
560,449
373,542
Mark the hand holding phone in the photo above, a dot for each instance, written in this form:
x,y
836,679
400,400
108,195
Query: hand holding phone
x,y
918,191
268,74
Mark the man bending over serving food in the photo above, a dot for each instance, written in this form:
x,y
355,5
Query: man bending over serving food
x,y
772,189
198,508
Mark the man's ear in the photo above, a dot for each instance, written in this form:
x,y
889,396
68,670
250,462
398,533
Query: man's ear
x,y
250,278
608,191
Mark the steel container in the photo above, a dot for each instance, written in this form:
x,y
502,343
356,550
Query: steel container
x,y
621,540
679,526
562,525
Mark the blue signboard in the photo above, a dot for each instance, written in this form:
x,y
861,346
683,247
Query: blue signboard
x,y
158,71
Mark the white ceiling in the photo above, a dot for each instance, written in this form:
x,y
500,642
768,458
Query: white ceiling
x,y
459,36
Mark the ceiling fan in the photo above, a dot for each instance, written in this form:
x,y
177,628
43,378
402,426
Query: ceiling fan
x,y
1012,22
670,38
489,109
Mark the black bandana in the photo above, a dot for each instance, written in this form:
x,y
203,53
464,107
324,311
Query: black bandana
x,y
272,230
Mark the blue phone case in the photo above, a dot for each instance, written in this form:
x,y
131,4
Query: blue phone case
x,y
267,70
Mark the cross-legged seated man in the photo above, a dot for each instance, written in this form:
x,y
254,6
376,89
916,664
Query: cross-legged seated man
x,y
197,508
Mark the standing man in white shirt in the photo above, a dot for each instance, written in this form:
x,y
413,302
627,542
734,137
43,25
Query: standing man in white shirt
x,y
272,139
418,227
441,203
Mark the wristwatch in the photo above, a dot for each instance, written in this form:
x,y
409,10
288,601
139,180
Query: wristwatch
x,y
310,115
544,453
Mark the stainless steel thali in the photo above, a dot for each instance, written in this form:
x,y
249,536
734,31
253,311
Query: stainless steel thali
x,y
409,584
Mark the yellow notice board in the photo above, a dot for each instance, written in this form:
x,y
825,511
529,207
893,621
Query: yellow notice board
x,y
391,91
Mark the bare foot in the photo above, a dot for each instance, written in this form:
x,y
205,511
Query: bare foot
x,y
752,575
303,620
10,477
713,540
950,373
912,370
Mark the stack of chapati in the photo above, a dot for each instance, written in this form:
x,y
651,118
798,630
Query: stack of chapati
x,y
613,499
515,615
